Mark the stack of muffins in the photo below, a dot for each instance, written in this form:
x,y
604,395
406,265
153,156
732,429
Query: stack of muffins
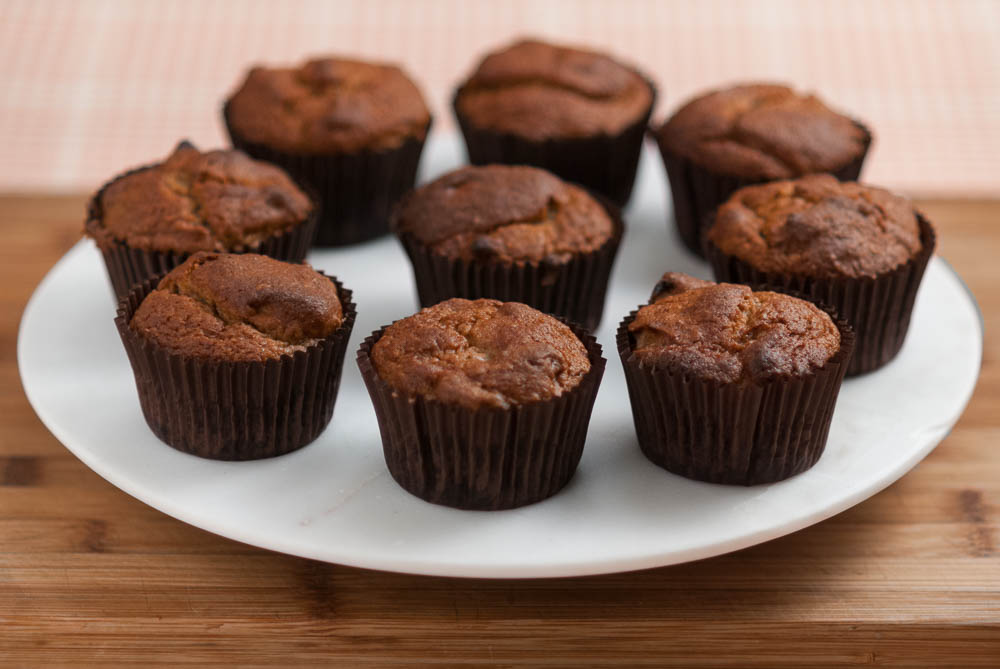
x,y
483,398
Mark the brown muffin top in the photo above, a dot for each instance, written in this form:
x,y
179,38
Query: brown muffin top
x,y
762,131
328,105
728,333
480,353
503,213
542,91
239,308
194,201
817,226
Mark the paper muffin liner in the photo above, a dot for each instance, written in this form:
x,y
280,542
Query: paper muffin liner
x,y
697,191
235,410
485,459
128,266
357,191
878,308
574,290
603,163
733,433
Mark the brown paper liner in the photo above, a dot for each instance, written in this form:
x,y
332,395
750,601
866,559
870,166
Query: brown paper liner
x,y
878,308
128,266
603,163
485,459
697,191
574,290
736,433
235,410
357,191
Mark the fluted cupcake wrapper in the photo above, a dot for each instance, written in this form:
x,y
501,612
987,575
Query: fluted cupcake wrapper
x,y
878,308
235,410
739,433
357,191
574,290
603,163
484,459
128,266
696,191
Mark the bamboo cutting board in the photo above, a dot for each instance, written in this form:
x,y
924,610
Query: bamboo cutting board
x,y
91,577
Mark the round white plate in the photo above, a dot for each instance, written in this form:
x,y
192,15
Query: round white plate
x,y
335,501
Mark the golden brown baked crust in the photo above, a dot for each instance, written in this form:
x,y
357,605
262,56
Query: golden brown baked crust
x,y
542,91
500,213
239,307
328,105
817,226
728,333
194,201
672,283
480,353
763,131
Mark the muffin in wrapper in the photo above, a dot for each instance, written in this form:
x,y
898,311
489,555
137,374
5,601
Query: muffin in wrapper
x,y
878,308
574,290
128,266
484,459
356,191
696,191
227,410
733,433
603,163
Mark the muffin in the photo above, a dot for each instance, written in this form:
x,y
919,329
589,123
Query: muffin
x,y
482,404
860,249
512,233
729,385
237,357
746,134
149,220
579,114
351,130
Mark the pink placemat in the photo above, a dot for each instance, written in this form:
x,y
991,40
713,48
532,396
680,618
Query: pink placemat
x,y
92,87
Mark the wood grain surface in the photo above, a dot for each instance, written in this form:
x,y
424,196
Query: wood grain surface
x,y
92,577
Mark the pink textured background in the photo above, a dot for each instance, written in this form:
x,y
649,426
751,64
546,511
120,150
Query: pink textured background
x,y
91,87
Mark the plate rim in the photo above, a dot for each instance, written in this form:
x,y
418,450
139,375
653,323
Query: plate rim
x,y
564,569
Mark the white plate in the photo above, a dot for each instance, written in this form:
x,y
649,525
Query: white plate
x,y
334,500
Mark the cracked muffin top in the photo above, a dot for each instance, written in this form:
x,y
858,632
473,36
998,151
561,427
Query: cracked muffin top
x,y
728,333
543,91
763,131
503,213
480,353
328,105
239,308
194,201
817,226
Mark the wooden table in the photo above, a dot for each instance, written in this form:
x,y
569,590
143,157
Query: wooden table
x,y
92,577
